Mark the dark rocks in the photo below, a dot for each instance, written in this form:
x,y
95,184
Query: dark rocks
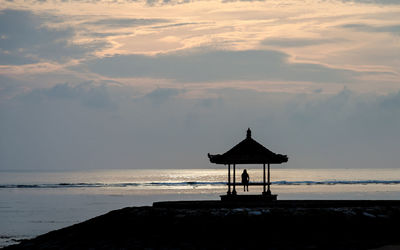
x,y
229,228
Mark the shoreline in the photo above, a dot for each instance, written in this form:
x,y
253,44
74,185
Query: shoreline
x,y
282,224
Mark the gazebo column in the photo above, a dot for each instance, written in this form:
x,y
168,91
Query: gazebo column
x,y
229,179
264,183
269,182
234,180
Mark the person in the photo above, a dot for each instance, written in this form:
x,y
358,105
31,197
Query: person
x,y
245,180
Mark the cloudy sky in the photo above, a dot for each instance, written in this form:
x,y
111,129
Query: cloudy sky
x,y
114,84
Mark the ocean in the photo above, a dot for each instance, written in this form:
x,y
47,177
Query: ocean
x,y
33,203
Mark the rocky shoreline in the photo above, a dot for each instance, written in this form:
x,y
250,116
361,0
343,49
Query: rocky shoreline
x,y
195,226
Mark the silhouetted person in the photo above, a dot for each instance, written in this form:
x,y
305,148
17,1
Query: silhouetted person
x,y
245,180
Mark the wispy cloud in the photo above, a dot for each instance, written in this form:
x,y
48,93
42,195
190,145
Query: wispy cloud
x,y
173,25
126,22
161,95
26,38
87,93
389,2
298,42
217,65
395,29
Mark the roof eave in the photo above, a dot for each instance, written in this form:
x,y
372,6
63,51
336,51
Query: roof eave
x,y
220,159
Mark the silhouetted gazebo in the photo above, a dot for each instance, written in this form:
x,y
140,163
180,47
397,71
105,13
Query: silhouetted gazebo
x,y
248,151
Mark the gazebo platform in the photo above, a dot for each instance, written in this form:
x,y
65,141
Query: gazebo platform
x,y
278,204
249,198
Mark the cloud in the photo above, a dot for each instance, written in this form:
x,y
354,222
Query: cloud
x,y
165,2
161,95
392,102
126,22
10,58
384,2
107,34
217,65
56,128
25,39
9,88
298,42
87,94
56,131
395,29
229,1
174,25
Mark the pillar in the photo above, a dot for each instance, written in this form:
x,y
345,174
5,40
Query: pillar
x,y
269,182
234,180
229,179
264,179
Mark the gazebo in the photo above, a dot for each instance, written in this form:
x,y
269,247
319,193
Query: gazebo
x,y
248,151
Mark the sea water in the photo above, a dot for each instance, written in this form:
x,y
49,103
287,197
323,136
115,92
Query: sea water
x,y
33,203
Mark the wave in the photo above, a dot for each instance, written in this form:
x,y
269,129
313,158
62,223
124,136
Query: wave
x,y
93,185
194,183
337,182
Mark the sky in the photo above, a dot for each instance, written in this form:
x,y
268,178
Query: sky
x,y
139,84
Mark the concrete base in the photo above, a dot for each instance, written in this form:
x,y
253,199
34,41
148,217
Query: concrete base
x,y
249,198
279,204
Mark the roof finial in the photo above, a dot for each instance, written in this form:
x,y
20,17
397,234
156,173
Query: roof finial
x,y
248,133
